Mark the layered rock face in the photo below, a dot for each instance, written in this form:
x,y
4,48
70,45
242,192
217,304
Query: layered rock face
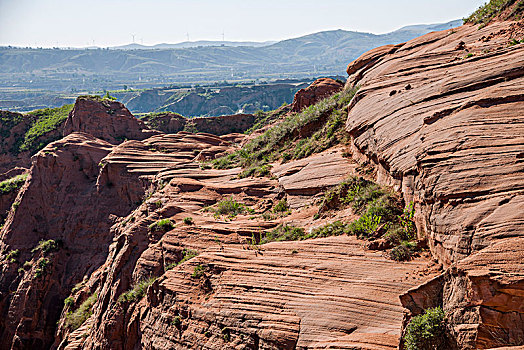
x,y
441,118
315,294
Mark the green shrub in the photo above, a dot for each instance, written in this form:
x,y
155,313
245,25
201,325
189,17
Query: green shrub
x,y
109,97
281,206
187,254
27,265
42,265
365,226
137,292
75,319
188,221
198,271
12,184
69,301
403,251
284,233
177,321
426,331
46,247
162,225
231,208
336,228
12,255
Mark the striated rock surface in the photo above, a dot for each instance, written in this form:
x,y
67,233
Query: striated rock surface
x,y
441,118
318,90
313,294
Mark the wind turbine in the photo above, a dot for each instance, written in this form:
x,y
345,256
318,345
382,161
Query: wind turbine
x,y
133,35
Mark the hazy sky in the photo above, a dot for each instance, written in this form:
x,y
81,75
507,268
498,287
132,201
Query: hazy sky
x,y
49,23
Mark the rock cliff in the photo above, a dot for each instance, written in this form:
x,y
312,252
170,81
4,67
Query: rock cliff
x,y
441,119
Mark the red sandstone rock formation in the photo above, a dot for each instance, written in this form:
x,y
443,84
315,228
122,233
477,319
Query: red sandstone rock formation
x,y
445,127
108,120
318,90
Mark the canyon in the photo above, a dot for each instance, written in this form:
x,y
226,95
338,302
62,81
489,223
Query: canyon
x,y
166,232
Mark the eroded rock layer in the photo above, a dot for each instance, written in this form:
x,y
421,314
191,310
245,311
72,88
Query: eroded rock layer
x,y
441,116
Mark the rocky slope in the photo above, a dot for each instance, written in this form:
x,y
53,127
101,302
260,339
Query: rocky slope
x,y
441,118
124,237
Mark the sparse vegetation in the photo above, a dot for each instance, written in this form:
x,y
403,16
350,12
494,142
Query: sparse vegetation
x,y
46,247
69,301
381,215
231,208
187,254
47,120
327,117
177,321
426,331
403,251
162,225
12,184
188,220
281,206
42,266
198,271
336,228
137,292
493,8
284,233
76,318
13,255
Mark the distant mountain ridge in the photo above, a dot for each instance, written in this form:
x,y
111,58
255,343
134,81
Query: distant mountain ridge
x,y
188,44
322,53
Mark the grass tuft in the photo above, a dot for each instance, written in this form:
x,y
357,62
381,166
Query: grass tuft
x,y
137,292
76,318
12,184
313,130
162,225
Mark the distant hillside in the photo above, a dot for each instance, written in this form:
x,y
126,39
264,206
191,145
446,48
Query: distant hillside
x,y
187,44
323,53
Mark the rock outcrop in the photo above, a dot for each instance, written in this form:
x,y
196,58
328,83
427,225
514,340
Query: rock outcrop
x,y
59,202
105,119
319,89
441,118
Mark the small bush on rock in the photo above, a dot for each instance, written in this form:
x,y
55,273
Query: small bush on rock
x,y
284,233
281,206
46,247
426,331
162,225
231,207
